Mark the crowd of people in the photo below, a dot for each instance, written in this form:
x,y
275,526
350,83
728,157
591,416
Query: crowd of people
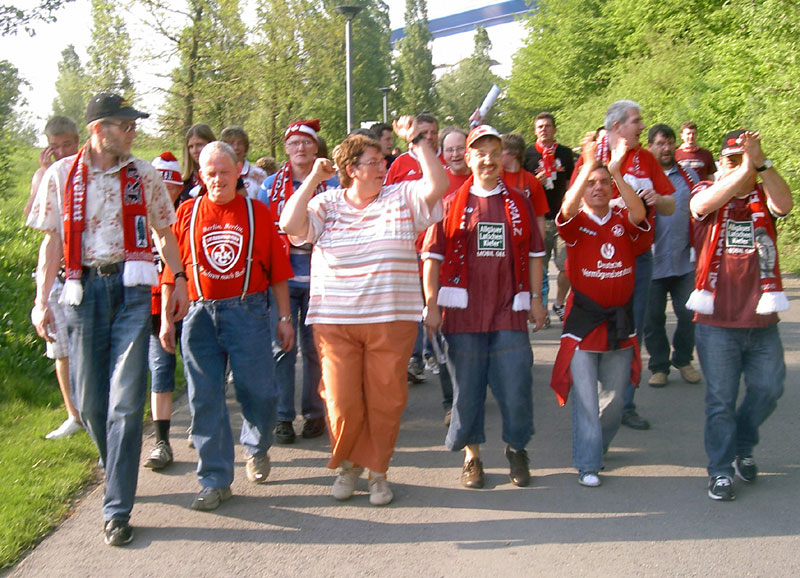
x,y
375,264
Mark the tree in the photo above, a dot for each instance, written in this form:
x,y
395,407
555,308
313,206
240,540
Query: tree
x,y
462,89
413,67
71,92
12,18
9,96
109,52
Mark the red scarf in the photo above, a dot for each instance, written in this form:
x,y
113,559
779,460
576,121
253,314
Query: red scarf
x,y
282,189
773,299
548,161
139,267
454,274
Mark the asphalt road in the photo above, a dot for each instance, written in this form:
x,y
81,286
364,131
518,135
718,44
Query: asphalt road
x,y
651,516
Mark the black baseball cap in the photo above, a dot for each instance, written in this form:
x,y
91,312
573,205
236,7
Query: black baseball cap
x,y
109,105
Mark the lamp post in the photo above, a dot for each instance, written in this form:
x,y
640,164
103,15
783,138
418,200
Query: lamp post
x,y
349,12
385,90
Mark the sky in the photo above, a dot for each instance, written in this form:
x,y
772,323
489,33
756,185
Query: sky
x,y
37,57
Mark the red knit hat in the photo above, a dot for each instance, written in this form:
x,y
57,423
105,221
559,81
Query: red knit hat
x,y
306,127
167,166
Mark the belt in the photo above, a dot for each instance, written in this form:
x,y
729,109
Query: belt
x,y
104,270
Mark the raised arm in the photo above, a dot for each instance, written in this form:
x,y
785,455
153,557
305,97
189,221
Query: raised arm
x,y
574,195
432,169
636,209
294,218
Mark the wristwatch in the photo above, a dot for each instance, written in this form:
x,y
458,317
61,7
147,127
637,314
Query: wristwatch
x,y
287,318
767,165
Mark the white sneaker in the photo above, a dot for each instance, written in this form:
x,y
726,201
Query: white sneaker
x,y
70,426
589,479
345,483
380,493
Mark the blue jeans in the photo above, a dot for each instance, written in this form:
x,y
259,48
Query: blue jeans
x,y
108,335
725,355
599,379
311,404
162,363
503,360
215,332
655,333
641,286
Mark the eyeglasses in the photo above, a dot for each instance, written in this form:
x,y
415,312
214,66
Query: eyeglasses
x,y
457,150
296,144
373,164
125,127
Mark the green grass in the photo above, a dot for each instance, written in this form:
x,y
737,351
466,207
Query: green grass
x,y
38,478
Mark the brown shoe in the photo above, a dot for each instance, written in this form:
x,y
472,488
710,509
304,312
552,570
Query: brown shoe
x,y
690,374
658,379
519,475
314,427
472,474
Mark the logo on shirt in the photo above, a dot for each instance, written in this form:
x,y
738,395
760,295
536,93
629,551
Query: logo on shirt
x,y
618,230
607,250
491,239
222,249
739,235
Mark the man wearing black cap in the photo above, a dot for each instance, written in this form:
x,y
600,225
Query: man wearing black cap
x,y
737,297
107,200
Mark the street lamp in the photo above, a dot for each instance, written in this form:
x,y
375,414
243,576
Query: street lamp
x,y
349,12
385,90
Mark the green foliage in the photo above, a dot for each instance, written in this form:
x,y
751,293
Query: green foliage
x,y
413,67
462,89
109,52
13,18
9,96
71,89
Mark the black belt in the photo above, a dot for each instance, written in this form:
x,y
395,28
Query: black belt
x,y
104,270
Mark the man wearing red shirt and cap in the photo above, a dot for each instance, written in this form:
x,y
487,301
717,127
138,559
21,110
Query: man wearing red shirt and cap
x,y
232,252
301,142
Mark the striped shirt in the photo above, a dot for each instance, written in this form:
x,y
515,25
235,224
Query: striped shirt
x,y
364,263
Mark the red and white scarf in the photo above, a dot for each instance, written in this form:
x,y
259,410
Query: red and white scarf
x,y
548,162
773,299
139,266
282,189
454,274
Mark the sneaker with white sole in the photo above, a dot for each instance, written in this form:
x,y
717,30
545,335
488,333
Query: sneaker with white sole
x,y
70,426
210,498
160,456
589,479
559,310
345,483
380,494
257,468
721,488
745,468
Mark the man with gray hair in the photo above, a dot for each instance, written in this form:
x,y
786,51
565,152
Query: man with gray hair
x,y
107,201
644,174
229,243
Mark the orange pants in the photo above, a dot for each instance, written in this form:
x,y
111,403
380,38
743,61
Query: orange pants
x,y
365,388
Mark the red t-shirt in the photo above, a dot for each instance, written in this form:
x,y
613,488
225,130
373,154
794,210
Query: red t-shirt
x,y
700,160
221,237
601,261
739,282
640,170
406,168
491,275
455,181
526,184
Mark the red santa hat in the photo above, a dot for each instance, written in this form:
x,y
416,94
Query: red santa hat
x,y
306,127
167,166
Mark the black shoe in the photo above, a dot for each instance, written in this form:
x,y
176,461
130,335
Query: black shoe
x,y
117,533
519,475
721,488
472,474
313,428
284,432
634,420
559,310
746,468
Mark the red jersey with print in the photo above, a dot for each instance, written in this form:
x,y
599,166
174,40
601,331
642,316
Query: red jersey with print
x,y
406,167
697,159
738,286
641,170
455,181
527,185
221,239
601,260
490,265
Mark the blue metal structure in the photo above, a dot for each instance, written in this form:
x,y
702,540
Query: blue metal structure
x,y
492,15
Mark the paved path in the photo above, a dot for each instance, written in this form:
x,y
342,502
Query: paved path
x,y
651,517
